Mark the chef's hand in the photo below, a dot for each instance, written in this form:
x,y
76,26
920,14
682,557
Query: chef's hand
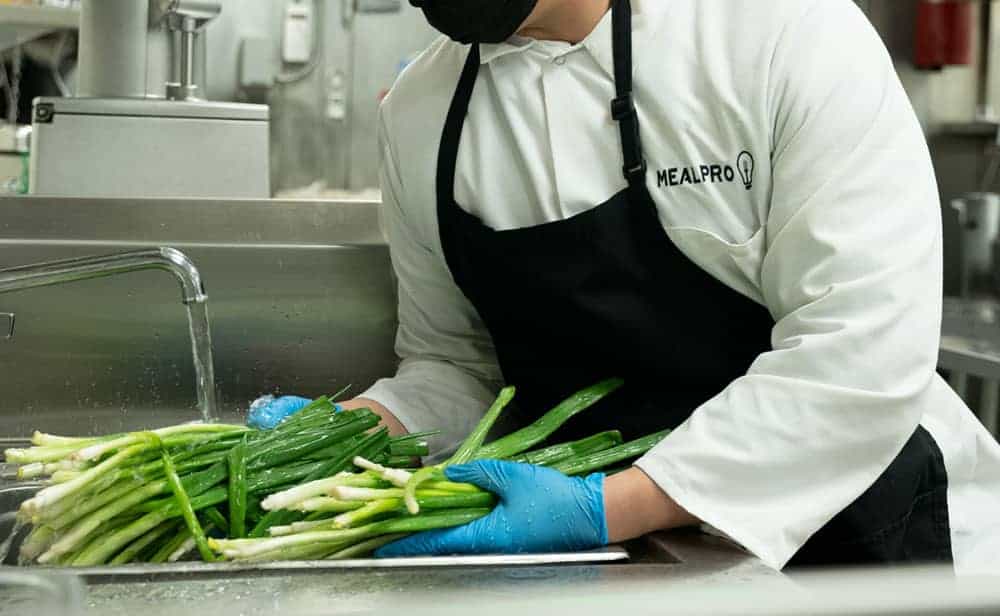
x,y
540,510
267,412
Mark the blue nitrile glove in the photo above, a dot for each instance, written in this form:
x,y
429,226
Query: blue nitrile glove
x,y
267,412
540,510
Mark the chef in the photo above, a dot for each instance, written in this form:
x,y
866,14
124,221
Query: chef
x,y
729,204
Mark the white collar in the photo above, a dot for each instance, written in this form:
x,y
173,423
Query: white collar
x,y
646,23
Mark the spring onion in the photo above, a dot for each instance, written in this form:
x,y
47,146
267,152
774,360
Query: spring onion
x,y
237,463
528,437
610,457
323,484
469,448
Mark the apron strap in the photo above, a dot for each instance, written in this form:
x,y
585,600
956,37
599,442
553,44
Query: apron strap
x,y
623,107
455,122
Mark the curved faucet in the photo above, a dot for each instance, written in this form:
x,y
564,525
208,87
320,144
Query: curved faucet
x,y
166,259
86,268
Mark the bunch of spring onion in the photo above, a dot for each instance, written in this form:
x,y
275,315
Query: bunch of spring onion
x,y
351,514
161,495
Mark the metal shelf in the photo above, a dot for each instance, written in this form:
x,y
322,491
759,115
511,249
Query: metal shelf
x,y
20,24
984,129
971,337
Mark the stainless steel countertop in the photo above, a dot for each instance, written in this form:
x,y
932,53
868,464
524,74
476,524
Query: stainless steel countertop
x,y
712,578
697,558
661,560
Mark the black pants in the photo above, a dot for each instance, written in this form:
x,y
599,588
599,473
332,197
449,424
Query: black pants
x,y
902,518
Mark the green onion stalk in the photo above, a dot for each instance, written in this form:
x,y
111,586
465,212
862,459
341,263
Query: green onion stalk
x,y
322,485
151,496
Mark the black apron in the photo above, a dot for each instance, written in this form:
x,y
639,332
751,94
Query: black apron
x,y
606,293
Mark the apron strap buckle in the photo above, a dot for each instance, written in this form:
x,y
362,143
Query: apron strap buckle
x,y
623,111
636,174
623,107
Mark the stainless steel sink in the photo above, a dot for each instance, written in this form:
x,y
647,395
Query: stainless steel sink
x,y
40,592
668,561
681,555
301,300
679,573
11,497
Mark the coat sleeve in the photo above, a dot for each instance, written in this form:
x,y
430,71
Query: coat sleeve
x,y
853,278
448,375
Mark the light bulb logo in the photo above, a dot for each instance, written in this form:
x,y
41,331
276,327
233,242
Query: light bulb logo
x,y
745,166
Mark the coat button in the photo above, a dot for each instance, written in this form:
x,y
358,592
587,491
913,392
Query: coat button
x,y
560,60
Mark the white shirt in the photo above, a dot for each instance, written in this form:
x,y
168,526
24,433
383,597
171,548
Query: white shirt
x,y
839,237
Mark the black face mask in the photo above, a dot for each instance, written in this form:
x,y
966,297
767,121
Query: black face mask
x,y
476,21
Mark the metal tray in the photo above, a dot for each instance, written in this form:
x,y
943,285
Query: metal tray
x,y
12,495
198,569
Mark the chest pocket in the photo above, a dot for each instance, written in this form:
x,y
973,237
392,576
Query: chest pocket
x,y
737,265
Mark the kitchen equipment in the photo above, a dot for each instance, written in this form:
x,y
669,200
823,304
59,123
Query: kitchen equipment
x,y
944,33
970,347
117,147
979,224
115,141
187,19
979,221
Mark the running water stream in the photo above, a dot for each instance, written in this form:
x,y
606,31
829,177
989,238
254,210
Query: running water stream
x,y
204,367
201,347
167,259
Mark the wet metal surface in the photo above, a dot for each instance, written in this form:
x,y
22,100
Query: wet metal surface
x,y
689,557
581,591
367,586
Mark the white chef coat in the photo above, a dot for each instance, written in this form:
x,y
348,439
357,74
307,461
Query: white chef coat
x,y
836,230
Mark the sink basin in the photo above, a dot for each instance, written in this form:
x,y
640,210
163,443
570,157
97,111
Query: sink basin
x,y
301,301
662,560
37,592
11,497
